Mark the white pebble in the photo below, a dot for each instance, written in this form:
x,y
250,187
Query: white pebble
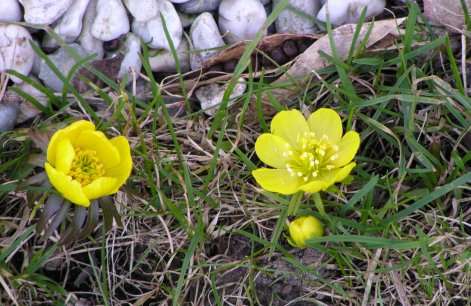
x,y
164,61
111,20
44,12
70,25
198,6
205,37
301,21
131,64
142,10
241,19
15,50
152,31
349,11
211,96
8,114
10,10
26,109
87,41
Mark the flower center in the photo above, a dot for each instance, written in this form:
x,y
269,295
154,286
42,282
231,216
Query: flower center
x,y
313,155
86,167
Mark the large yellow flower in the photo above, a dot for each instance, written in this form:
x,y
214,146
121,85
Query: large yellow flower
x,y
307,155
83,164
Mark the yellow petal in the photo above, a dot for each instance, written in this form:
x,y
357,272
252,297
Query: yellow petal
x,y
68,188
296,233
123,170
97,141
326,121
348,148
342,173
70,132
273,150
100,187
289,125
330,177
313,186
64,156
277,180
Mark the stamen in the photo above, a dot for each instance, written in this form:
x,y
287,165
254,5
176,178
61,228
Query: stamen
x,y
86,167
334,157
288,168
329,167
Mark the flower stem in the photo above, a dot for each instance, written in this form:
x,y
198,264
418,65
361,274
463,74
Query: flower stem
x,y
293,205
319,204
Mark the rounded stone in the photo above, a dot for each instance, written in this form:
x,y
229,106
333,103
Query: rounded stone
x,y
152,31
131,64
15,50
87,41
241,19
69,25
164,61
64,61
206,38
10,10
142,10
300,18
211,96
349,11
26,109
44,12
198,6
8,115
111,20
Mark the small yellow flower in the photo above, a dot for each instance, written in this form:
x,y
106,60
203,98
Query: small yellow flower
x,y
307,155
303,229
83,164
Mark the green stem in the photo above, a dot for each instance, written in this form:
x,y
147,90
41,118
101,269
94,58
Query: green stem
x,y
293,205
318,202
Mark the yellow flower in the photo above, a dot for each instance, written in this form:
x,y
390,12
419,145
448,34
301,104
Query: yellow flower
x,y
83,164
303,229
307,155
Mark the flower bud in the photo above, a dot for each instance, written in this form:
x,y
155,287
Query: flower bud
x,y
303,229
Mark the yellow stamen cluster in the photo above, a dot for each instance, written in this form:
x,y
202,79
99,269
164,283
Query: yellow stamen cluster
x,y
86,167
314,155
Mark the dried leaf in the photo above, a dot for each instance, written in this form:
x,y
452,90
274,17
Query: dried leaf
x,y
232,54
58,219
39,138
92,220
312,59
266,45
73,230
448,13
52,206
109,67
109,213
